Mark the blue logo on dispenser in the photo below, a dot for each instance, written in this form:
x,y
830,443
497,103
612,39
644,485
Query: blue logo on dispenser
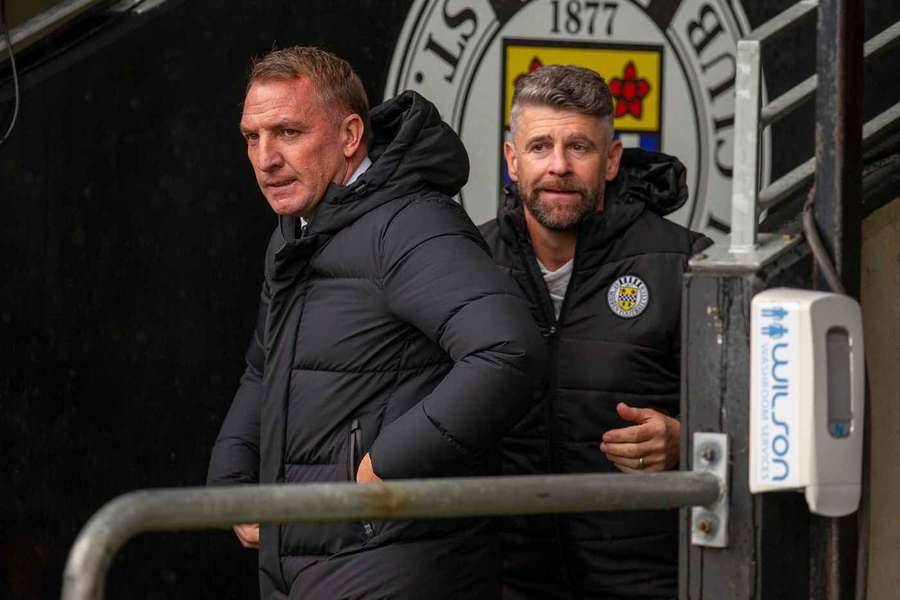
x,y
775,330
777,397
781,443
774,312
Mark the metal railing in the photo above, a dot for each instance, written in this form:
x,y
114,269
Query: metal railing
x,y
63,13
48,21
209,508
748,201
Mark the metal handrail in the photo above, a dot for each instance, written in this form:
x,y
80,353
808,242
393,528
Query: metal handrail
x,y
878,128
792,182
789,101
782,21
51,19
751,117
209,508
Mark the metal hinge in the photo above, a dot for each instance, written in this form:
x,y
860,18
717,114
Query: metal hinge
x,y
709,524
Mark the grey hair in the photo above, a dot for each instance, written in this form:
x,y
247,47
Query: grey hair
x,y
565,87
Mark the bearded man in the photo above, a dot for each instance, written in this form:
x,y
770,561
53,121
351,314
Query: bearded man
x,y
582,233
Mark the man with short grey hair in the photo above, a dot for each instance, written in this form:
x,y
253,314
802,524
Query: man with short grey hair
x,y
582,233
387,344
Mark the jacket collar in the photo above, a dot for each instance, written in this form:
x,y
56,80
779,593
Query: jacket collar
x,y
412,149
595,230
647,181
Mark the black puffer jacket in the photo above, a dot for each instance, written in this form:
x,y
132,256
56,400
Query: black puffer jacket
x,y
385,328
600,359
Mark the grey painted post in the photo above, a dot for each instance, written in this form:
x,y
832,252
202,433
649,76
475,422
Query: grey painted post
x,y
745,186
767,553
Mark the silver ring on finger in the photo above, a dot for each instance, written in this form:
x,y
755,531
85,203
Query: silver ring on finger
x,y
641,463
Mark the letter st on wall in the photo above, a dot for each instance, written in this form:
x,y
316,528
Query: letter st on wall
x,y
670,65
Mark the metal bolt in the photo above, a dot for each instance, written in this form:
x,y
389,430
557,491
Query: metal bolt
x,y
708,454
706,524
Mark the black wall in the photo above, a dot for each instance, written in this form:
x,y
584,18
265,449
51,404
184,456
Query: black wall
x,y
131,241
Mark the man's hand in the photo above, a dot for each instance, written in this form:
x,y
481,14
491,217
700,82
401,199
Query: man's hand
x,y
656,439
247,534
365,473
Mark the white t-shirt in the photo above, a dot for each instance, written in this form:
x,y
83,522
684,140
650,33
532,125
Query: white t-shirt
x,y
557,283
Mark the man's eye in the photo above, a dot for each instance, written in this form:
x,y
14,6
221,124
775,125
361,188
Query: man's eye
x,y
290,133
251,137
538,147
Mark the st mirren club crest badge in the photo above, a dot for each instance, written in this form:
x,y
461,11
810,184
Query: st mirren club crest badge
x,y
670,65
628,296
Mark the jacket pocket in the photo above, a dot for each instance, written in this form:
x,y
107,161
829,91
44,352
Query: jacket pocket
x,y
354,458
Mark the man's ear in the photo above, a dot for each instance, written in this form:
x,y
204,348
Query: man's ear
x,y
352,134
613,159
509,151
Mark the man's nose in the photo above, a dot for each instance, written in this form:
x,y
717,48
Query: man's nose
x,y
270,157
559,162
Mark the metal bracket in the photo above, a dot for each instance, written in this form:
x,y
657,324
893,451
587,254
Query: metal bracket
x,y
709,524
720,258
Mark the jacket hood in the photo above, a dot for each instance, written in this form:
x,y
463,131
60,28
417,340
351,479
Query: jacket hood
x,y
411,149
656,179
646,180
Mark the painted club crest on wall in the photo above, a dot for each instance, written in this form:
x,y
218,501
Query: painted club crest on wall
x,y
670,65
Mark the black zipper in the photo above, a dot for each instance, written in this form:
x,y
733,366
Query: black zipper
x,y
551,332
356,444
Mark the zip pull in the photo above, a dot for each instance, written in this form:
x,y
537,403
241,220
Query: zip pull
x,y
356,444
354,450
356,433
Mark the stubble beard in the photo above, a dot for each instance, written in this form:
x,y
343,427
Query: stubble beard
x,y
551,216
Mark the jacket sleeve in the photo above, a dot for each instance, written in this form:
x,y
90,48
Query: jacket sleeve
x,y
235,455
438,276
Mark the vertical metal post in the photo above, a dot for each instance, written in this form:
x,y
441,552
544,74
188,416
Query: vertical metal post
x,y
745,182
839,117
715,380
767,553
